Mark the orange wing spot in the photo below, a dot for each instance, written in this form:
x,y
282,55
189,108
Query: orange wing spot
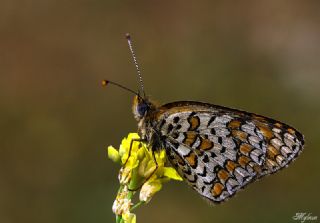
x,y
235,124
266,132
272,152
217,189
291,131
240,135
245,148
279,125
231,166
190,138
256,168
192,159
206,144
243,160
223,175
194,122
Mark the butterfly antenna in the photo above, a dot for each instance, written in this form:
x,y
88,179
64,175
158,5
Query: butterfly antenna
x,y
106,82
135,63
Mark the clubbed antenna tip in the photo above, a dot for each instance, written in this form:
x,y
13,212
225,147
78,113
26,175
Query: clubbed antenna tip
x,y
128,36
104,83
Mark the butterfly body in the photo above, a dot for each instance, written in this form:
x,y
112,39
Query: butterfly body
x,y
217,150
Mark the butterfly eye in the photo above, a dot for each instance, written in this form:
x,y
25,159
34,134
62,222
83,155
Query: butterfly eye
x,y
142,108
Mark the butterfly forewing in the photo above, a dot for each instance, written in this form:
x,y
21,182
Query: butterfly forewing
x,y
219,150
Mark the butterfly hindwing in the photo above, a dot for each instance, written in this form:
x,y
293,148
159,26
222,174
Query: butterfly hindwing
x,y
219,150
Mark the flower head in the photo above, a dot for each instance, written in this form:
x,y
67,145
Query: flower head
x,y
141,169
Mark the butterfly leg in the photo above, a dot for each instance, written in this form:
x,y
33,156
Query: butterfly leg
x,y
130,148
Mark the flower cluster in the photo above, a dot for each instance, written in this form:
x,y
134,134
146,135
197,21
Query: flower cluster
x,y
139,172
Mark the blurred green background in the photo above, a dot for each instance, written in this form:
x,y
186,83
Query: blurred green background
x,y
56,119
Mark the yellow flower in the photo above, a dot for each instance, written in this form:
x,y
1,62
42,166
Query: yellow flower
x,y
113,154
139,171
171,173
141,157
125,147
129,218
149,189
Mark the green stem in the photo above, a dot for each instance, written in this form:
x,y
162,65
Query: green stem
x,y
137,205
118,219
135,179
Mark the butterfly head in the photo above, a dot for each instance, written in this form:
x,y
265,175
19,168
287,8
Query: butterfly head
x,y
141,107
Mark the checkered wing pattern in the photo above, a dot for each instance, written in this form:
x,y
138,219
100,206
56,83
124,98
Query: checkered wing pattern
x,y
219,150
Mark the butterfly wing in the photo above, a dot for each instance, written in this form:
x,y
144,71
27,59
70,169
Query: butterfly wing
x,y
219,150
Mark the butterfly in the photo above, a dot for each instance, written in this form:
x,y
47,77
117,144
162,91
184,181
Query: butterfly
x,y
217,150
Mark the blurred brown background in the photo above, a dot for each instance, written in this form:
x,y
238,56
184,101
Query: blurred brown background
x,y
56,119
